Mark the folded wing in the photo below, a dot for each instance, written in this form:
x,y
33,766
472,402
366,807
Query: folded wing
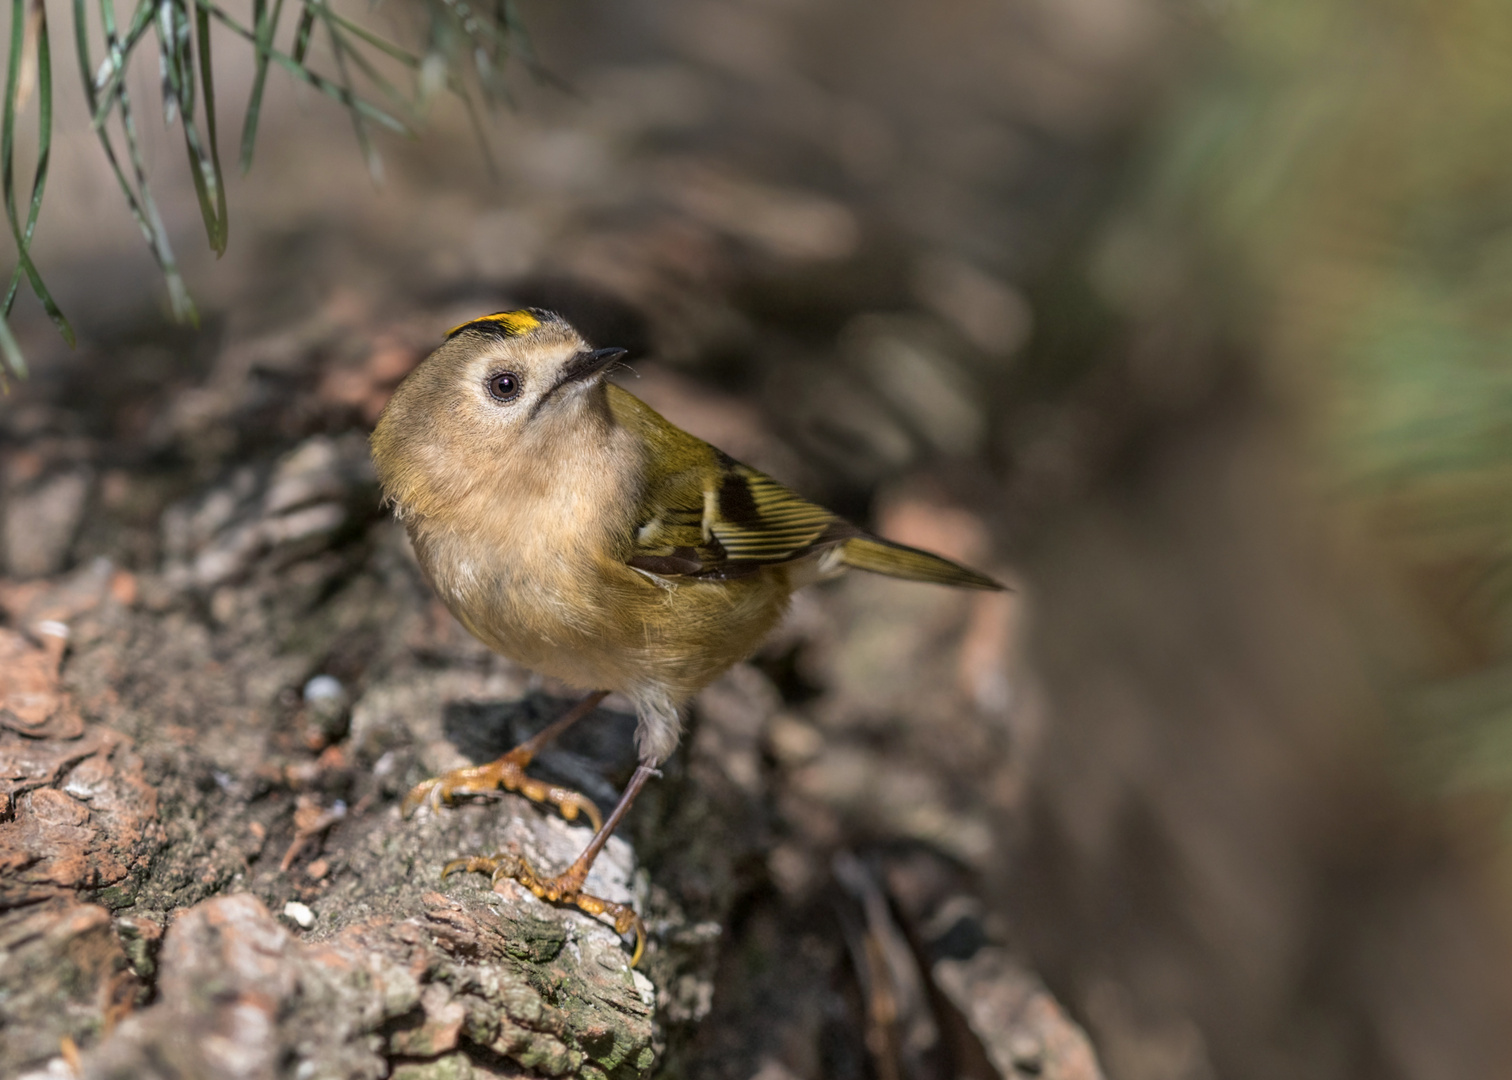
x,y
727,520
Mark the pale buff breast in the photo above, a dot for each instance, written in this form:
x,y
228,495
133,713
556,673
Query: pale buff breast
x,y
561,600
520,571
597,624
613,629
540,576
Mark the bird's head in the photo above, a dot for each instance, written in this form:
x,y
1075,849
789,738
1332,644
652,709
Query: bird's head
x,y
511,391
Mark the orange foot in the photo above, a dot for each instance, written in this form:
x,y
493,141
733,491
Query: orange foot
x,y
508,772
565,889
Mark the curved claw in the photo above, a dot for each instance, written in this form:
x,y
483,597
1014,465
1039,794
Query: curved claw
x,y
507,773
570,803
470,864
565,889
624,915
420,793
623,922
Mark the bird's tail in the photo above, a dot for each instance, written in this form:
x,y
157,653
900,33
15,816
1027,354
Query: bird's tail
x,y
896,560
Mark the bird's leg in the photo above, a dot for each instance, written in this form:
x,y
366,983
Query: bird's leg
x,y
567,888
508,772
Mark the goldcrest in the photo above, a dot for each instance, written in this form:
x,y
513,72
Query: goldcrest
x,y
574,530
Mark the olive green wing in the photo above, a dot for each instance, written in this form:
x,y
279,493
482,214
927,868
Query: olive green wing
x,y
736,520
706,516
727,520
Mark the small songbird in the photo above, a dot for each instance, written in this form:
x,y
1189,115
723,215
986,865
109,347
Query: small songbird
x,y
571,528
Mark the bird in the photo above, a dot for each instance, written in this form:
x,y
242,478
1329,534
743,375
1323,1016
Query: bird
x,y
574,530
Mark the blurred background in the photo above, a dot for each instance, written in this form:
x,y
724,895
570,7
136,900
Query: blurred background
x,y
1190,318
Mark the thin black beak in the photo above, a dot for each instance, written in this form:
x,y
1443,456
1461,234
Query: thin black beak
x,y
585,365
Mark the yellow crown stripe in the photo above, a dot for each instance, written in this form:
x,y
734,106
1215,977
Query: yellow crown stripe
x,y
514,323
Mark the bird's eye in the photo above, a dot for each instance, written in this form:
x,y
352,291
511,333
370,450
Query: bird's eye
x,y
504,385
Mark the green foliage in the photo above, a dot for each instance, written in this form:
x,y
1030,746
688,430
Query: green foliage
x,y
377,81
